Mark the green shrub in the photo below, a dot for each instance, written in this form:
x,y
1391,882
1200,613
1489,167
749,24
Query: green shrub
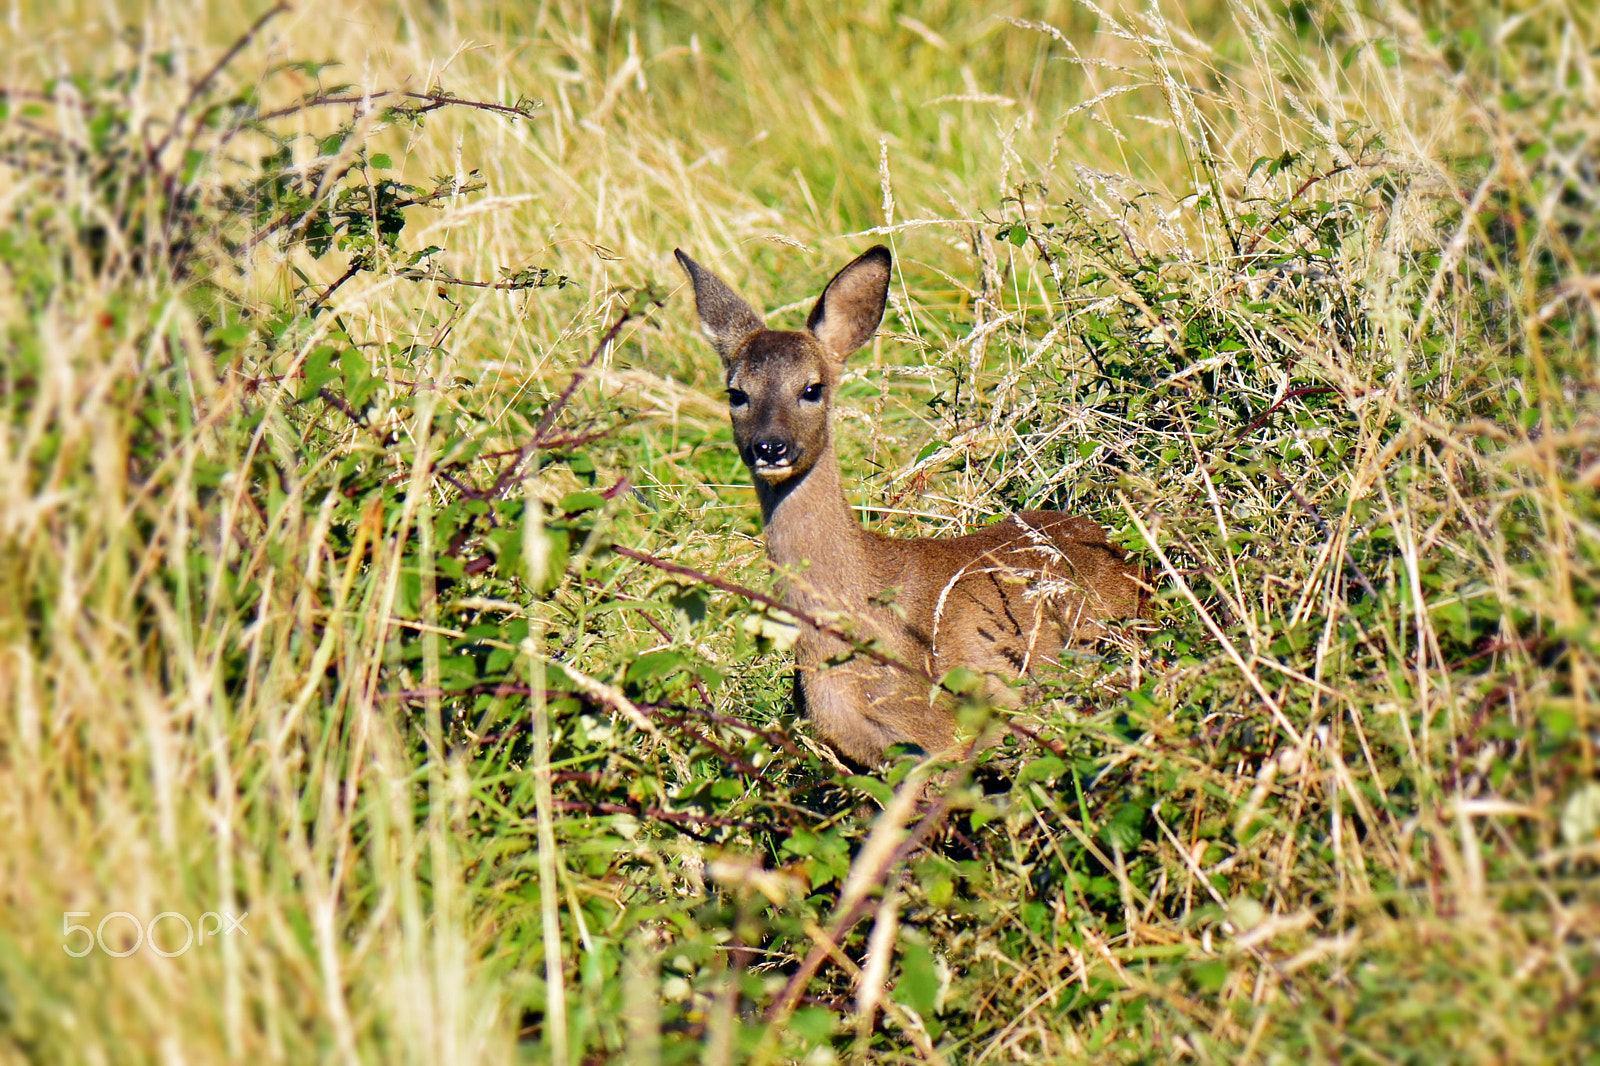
x,y
391,581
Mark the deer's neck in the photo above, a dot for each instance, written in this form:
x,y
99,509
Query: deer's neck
x,y
812,531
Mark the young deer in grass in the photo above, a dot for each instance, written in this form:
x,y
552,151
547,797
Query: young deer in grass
x,y
1000,601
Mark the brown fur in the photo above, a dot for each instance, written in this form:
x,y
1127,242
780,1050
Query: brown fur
x,y
999,601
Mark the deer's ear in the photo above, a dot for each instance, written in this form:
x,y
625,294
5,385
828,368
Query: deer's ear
x,y
726,319
851,307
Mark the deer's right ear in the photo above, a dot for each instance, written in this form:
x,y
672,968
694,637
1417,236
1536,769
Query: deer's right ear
x,y
725,317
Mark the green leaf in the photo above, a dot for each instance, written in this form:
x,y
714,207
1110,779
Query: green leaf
x,y
380,161
1042,770
574,502
354,365
317,371
1123,830
359,384
690,603
872,787
709,676
555,570
962,681
654,665
800,842
813,1024
1559,722
1209,976
234,336
918,986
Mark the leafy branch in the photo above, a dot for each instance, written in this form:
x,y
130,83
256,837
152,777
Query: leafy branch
x,y
339,200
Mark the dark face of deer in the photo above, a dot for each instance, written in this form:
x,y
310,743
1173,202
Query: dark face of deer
x,y
780,390
781,384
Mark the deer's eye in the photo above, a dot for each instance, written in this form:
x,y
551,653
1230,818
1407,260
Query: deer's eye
x,y
737,398
812,392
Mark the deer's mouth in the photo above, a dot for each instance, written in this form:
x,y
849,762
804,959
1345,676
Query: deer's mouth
x,y
774,470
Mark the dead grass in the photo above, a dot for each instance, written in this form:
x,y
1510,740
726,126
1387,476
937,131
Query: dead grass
x,y
1302,306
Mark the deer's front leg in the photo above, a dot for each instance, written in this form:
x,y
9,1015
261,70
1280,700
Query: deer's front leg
x,y
863,708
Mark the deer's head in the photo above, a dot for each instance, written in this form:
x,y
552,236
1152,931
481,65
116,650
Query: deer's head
x,y
781,383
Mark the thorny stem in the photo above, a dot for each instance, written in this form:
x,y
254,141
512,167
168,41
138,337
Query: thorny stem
x,y
198,89
790,996
1292,394
435,100
448,190
355,268
467,283
771,601
1312,180
512,473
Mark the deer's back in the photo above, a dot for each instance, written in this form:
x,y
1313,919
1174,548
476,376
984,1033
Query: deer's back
x,y
1005,599
1002,601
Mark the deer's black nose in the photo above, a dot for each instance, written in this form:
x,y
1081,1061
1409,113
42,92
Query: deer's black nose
x,y
770,451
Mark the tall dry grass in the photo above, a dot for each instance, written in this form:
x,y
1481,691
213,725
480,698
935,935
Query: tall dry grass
x,y
1300,303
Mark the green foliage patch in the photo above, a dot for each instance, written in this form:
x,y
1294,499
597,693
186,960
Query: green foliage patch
x,y
443,650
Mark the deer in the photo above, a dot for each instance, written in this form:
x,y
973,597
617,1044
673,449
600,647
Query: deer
x,y
1002,601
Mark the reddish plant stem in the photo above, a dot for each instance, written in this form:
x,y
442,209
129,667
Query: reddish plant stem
x,y
198,88
540,434
773,602
1292,394
435,100
1312,180
819,953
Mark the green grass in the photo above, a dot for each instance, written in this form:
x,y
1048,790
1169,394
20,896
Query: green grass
x,y
1299,303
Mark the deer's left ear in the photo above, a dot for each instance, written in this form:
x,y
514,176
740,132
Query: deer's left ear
x,y
851,307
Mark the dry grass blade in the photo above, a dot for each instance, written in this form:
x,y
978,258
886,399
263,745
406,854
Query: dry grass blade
x,y
382,607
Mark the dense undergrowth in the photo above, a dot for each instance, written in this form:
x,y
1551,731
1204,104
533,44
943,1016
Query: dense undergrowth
x,y
374,564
